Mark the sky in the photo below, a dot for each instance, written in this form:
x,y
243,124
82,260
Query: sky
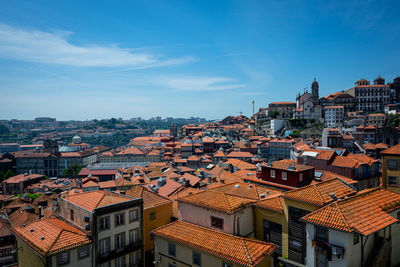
x,y
79,60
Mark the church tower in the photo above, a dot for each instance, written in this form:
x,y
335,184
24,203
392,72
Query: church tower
x,y
315,92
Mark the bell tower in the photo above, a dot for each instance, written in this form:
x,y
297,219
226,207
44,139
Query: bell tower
x,y
315,91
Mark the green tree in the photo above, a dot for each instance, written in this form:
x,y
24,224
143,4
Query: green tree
x,y
8,174
3,129
72,171
274,114
1,175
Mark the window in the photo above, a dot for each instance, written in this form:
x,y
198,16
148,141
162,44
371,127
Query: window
x,y
301,177
196,258
272,173
119,219
106,264
152,216
321,233
225,264
120,241
392,164
393,181
171,265
104,246
284,175
63,258
71,212
217,222
134,258
133,236
172,249
120,262
133,215
104,223
83,252
356,238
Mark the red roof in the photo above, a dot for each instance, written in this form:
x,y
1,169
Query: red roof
x,y
22,178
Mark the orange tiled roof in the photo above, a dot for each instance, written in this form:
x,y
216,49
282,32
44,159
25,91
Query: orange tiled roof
x,y
318,194
274,203
285,163
217,200
58,236
243,251
239,154
322,154
240,164
150,199
21,178
251,191
131,151
95,199
394,150
365,213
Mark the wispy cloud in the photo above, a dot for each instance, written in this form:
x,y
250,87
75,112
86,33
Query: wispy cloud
x,y
54,48
191,83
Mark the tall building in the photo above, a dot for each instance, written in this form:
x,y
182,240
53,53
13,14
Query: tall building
x,y
372,97
334,116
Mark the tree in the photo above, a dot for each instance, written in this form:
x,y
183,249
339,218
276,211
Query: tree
x,y
8,174
72,171
3,129
274,114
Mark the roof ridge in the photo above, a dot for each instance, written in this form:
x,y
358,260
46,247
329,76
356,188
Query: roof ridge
x,y
55,240
319,193
341,213
247,252
226,201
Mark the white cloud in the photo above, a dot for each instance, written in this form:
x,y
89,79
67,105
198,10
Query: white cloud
x,y
54,48
190,83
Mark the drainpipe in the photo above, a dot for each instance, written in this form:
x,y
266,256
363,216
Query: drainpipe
x,y
362,251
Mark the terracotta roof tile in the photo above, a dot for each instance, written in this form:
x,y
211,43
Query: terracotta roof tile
x,y
243,251
274,203
96,199
217,200
394,150
365,212
150,199
58,236
318,194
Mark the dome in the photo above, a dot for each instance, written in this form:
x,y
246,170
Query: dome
x,y
76,139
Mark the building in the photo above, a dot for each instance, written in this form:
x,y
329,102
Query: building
x,y
334,116
372,98
157,212
300,202
339,99
306,102
282,110
50,161
7,244
53,242
361,230
391,168
280,148
185,244
377,119
9,147
287,173
113,221
358,167
222,211
17,184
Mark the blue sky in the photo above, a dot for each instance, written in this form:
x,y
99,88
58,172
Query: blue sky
x,y
102,59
